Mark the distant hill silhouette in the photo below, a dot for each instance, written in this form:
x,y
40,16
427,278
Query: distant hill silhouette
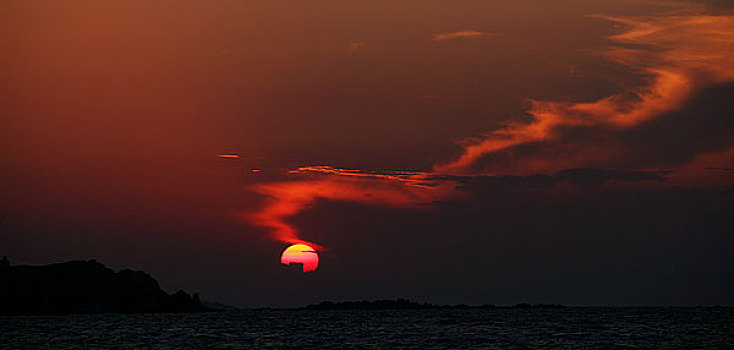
x,y
404,304
215,306
86,287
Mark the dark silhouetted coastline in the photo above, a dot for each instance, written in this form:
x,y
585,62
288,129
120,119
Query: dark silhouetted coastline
x,y
83,287
405,304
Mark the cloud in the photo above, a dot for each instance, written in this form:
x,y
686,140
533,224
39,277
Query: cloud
x,y
288,198
232,156
399,189
707,169
460,34
357,45
480,185
679,119
677,55
672,140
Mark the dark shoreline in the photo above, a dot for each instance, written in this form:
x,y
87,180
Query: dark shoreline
x,y
86,287
405,304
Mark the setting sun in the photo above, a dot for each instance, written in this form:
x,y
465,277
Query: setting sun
x,y
301,254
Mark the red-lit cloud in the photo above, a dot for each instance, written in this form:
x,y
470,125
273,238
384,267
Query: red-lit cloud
x,y
231,156
678,55
286,199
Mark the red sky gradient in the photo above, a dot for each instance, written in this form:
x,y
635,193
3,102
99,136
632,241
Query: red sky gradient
x,y
538,144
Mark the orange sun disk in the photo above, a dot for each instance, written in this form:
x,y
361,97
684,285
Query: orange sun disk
x,y
301,254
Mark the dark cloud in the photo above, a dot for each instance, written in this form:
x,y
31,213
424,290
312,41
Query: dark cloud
x,y
714,3
704,124
485,185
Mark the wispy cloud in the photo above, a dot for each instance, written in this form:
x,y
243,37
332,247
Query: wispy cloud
x,y
398,189
677,55
286,199
461,34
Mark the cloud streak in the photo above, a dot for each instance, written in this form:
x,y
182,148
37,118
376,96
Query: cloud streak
x,y
397,190
460,35
230,156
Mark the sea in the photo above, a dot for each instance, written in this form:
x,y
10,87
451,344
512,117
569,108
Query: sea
x,y
500,328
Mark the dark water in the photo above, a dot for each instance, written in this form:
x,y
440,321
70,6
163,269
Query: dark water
x,y
580,328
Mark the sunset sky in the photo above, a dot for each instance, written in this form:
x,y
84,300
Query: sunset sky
x,y
574,152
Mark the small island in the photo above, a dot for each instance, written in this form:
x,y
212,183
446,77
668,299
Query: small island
x,y
84,287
